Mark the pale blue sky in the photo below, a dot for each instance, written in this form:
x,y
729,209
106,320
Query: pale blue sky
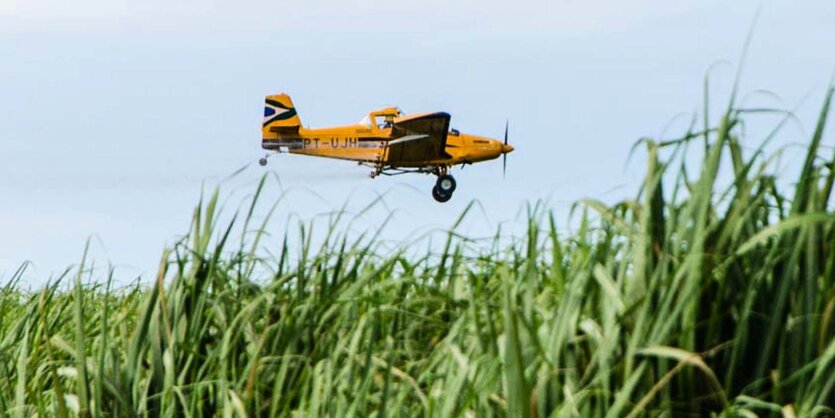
x,y
113,113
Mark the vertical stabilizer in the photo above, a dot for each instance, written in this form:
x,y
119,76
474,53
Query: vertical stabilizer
x,y
279,115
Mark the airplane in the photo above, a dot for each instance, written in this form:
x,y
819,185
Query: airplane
x,y
385,140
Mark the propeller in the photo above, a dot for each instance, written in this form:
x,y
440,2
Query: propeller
x,y
504,149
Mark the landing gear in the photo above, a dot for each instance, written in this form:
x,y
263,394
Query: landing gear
x,y
263,161
446,184
444,187
440,196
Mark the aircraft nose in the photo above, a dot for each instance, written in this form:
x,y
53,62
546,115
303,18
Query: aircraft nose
x,y
507,149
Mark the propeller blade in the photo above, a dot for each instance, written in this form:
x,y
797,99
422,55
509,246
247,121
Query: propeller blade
x,y
504,166
504,156
506,125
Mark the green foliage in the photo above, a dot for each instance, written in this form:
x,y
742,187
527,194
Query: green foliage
x,y
699,297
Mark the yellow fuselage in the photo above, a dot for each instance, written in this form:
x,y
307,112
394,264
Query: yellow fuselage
x,y
368,144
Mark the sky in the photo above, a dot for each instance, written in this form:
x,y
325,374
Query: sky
x,y
115,115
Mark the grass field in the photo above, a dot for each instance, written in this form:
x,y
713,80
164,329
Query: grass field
x,y
700,296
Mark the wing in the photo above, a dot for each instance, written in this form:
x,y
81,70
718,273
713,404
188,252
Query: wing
x,y
417,138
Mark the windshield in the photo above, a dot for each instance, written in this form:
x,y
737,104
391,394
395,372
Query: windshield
x,y
366,121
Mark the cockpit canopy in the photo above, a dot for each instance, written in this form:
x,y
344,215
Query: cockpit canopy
x,y
382,118
366,121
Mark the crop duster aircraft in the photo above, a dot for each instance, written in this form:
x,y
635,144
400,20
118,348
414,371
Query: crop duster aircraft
x,y
387,141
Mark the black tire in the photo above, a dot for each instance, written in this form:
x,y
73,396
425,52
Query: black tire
x,y
446,184
440,196
262,162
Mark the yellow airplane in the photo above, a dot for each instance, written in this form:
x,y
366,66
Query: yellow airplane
x,y
385,140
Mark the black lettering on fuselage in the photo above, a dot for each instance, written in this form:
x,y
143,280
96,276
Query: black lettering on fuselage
x,y
335,143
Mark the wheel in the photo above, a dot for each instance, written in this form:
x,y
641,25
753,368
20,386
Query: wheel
x,y
446,184
440,196
263,161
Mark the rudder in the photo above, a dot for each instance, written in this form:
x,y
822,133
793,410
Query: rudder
x,y
279,114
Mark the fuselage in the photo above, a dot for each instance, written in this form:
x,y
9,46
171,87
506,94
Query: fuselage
x,y
368,144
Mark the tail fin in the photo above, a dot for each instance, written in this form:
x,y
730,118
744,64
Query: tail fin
x,y
280,115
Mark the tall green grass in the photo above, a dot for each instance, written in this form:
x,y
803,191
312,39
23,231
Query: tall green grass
x,y
700,296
